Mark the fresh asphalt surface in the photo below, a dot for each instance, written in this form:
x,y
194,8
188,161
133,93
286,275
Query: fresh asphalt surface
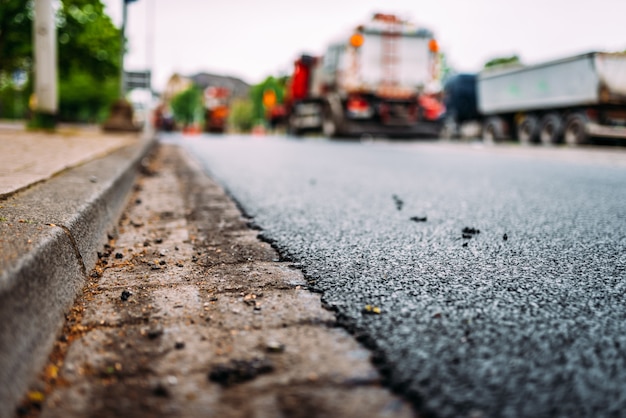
x,y
534,325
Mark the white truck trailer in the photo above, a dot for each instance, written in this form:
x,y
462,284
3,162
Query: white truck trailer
x,y
569,100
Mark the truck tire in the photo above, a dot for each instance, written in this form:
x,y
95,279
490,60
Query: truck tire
x,y
493,130
527,129
292,129
331,123
575,132
449,128
551,129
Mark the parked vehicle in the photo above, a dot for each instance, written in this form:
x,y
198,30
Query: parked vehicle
x,y
163,118
461,104
216,105
383,78
570,100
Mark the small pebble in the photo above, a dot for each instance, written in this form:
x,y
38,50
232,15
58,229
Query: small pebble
x,y
274,347
155,331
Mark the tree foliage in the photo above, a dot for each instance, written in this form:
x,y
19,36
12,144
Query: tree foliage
x,y
88,55
84,99
187,106
88,40
496,62
16,34
241,116
257,91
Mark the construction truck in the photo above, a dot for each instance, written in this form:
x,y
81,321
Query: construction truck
x,y
216,105
382,78
567,100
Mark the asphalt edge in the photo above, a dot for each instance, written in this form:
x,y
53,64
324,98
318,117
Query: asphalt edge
x,y
41,285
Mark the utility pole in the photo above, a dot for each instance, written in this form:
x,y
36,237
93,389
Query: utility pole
x,y
45,57
121,115
123,48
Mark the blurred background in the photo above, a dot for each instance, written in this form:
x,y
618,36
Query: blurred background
x,y
242,48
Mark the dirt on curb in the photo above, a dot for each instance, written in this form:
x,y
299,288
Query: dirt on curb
x,y
189,314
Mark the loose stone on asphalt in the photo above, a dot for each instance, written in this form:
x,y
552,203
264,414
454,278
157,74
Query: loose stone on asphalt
x,y
204,298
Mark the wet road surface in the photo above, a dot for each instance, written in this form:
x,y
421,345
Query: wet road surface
x,y
499,276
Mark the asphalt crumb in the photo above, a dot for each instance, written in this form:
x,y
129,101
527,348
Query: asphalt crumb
x,y
238,371
125,295
399,202
469,232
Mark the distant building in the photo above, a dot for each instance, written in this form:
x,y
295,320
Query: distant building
x,y
237,87
176,84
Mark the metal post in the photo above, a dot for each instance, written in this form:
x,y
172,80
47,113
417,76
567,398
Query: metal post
x,y
123,48
45,36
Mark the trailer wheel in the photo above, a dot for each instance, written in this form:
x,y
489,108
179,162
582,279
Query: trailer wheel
x,y
493,130
575,132
527,129
551,129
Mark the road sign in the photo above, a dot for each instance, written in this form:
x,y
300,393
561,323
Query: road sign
x,y
137,80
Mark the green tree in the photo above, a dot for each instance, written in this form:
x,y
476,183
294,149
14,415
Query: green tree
x,y
88,40
257,91
16,17
187,106
496,62
16,33
83,99
88,52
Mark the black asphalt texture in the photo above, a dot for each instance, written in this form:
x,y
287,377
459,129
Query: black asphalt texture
x,y
500,279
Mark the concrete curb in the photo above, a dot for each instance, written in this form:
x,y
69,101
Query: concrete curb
x,y
49,238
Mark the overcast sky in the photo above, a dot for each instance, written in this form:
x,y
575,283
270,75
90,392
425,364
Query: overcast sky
x,y
252,39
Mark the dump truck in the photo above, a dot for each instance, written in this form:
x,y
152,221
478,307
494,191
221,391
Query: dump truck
x,y
568,100
381,78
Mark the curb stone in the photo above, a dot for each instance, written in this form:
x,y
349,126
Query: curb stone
x,y
49,238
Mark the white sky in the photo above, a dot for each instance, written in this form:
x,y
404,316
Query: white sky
x,y
252,39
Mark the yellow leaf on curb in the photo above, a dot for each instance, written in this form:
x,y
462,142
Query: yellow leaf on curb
x,y
36,396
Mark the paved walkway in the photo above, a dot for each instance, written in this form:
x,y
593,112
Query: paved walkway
x,y
27,157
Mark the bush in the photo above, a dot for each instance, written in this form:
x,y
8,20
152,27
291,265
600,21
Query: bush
x,y
241,117
82,98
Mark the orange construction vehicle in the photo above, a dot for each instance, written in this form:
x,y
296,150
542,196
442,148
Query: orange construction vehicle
x,y
216,104
382,78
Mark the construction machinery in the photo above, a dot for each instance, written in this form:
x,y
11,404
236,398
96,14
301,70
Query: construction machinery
x,y
381,78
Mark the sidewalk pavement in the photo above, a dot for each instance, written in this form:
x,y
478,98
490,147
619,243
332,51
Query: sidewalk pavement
x,y
59,196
